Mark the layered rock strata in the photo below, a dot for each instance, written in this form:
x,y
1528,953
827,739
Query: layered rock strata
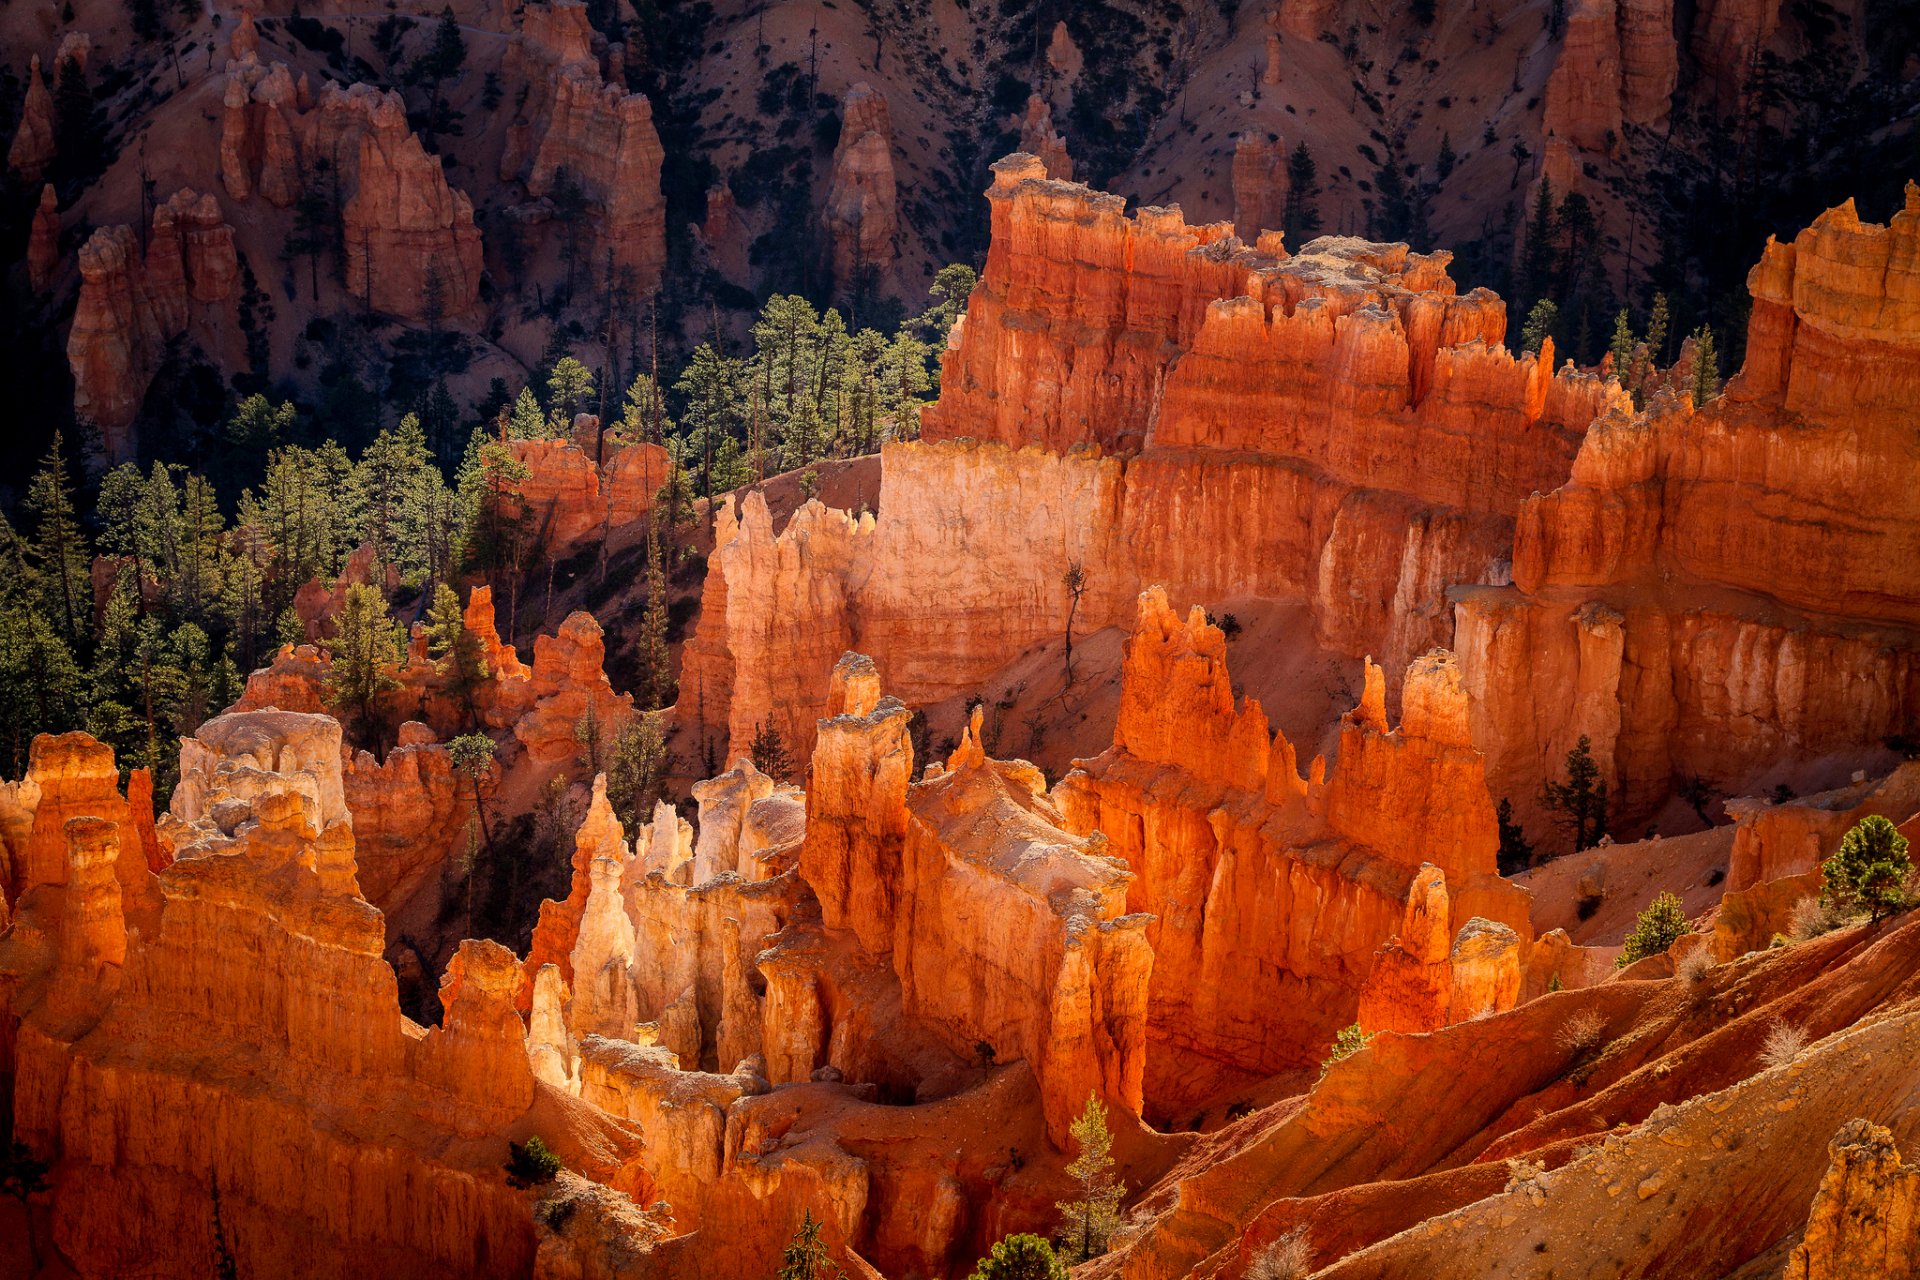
x,y
1120,390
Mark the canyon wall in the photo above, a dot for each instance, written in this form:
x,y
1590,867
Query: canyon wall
x,y
1723,589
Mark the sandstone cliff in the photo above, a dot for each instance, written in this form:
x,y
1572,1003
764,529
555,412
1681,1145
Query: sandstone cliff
x,y
1699,599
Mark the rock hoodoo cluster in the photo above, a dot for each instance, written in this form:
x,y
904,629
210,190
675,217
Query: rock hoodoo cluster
x,y
574,128
132,303
405,232
1716,589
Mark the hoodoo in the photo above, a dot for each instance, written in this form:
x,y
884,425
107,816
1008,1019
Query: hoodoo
x,y
1116,641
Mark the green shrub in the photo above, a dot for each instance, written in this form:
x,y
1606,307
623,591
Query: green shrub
x,y
531,1165
1350,1041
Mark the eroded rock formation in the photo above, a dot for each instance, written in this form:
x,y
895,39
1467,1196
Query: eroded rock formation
x,y
33,148
43,241
1039,138
1271,893
1259,184
131,304
257,989
602,137
1699,599
1866,1216
860,214
1347,385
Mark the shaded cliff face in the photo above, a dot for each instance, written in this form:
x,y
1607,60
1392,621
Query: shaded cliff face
x,y
1723,589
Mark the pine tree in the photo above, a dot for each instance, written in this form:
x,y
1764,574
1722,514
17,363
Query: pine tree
x,y
656,673
59,547
1541,322
1535,276
805,1257
1020,1257
569,389
1657,928
527,422
636,766
769,752
952,286
1869,869
1300,215
1516,854
1620,347
1706,366
471,755
1658,321
1581,801
366,649
1089,1220
460,653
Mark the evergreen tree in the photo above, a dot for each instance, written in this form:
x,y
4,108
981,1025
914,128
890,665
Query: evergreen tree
x,y
1300,214
471,755
1706,366
1535,276
1541,322
1580,801
398,484
1020,1257
644,416
1657,928
366,649
656,674
1869,870
59,547
1620,347
952,286
1516,854
1658,321
461,655
569,390
636,766
769,752
527,422
805,1257
1090,1219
